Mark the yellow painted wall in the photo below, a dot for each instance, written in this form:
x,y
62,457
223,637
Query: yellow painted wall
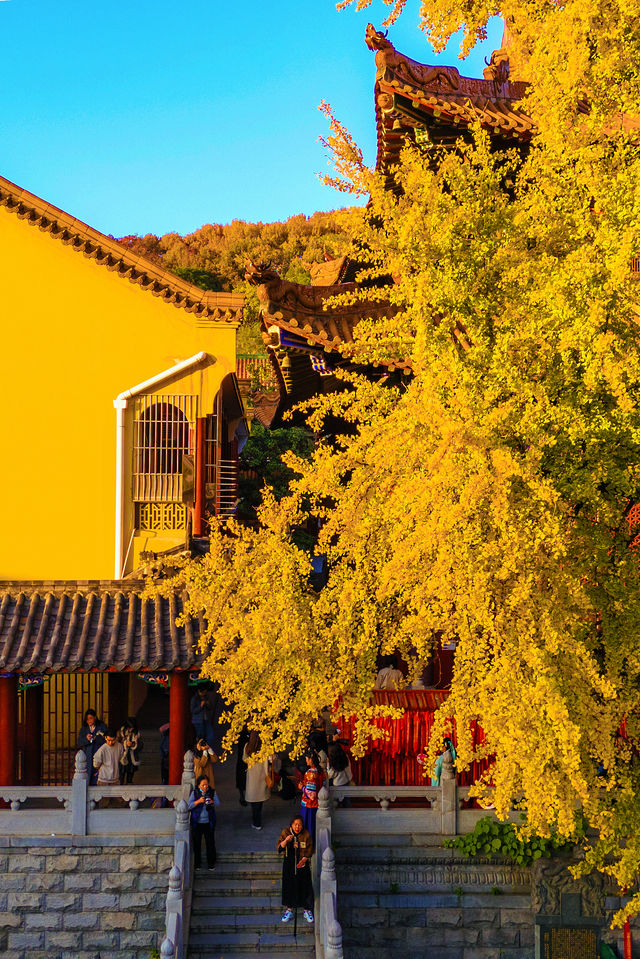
x,y
74,336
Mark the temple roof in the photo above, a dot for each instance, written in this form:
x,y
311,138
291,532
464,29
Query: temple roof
x,y
308,338
312,323
411,95
341,269
77,627
107,252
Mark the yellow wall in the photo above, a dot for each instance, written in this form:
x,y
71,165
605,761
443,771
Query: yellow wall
x,y
75,335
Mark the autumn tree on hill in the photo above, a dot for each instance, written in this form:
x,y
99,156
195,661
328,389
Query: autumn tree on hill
x,y
214,256
487,503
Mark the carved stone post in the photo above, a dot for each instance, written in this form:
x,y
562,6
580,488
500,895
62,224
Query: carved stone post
x,y
328,865
79,793
188,773
174,913
449,802
175,884
334,941
324,805
166,949
183,836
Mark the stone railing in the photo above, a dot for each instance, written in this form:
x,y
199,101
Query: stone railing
x,y
74,810
174,945
441,812
327,928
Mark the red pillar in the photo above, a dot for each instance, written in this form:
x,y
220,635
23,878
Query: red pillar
x,y
198,510
8,730
178,712
32,755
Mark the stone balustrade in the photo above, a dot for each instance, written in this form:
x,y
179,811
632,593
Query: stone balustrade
x,y
327,928
75,810
178,895
431,810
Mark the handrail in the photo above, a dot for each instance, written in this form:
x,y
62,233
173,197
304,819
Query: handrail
x,y
328,930
80,815
174,944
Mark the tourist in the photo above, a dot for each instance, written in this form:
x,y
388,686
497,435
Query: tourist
x,y
90,739
338,767
330,727
310,786
164,753
107,761
296,845
259,779
318,743
202,714
339,770
203,759
448,747
389,676
241,766
202,803
131,740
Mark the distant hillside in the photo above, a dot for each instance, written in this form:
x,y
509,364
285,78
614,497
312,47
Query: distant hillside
x,y
214,256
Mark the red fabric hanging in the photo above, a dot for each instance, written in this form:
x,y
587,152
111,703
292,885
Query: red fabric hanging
x,y
392,760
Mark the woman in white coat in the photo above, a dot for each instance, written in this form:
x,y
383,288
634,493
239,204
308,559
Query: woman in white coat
x,y
257,791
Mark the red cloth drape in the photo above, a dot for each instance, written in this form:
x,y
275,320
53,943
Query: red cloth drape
x,y
393,760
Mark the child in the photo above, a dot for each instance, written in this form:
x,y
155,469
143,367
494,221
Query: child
x,y
310,785
107,760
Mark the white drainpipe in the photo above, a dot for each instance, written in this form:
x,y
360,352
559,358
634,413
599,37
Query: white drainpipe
x,y
120,403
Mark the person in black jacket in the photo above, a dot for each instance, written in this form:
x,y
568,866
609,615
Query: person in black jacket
x,y
203,822
90,739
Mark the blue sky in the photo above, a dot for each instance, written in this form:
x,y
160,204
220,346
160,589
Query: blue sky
x,y
156,116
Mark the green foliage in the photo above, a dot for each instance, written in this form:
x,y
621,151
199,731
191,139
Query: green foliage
x,y
494,838
262,459
202,278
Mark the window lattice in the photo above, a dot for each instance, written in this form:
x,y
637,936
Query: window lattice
x,y
163,432
156,517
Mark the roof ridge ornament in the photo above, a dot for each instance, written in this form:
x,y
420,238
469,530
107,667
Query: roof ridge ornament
x,y
376,39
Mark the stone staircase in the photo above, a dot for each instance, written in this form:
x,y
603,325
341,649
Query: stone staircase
x,y
404,896
235,911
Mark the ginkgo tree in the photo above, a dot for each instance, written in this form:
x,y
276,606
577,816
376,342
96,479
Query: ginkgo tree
x,y
488,501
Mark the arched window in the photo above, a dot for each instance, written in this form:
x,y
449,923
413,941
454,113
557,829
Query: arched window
x,y
161,438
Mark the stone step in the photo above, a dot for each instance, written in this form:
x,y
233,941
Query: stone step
x,y
247,870
245,922
237,904
220,944
302,952
392,952
234,887
242,857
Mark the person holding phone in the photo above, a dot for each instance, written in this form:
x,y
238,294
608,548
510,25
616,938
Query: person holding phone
x,y
202,803
203,759
296,846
